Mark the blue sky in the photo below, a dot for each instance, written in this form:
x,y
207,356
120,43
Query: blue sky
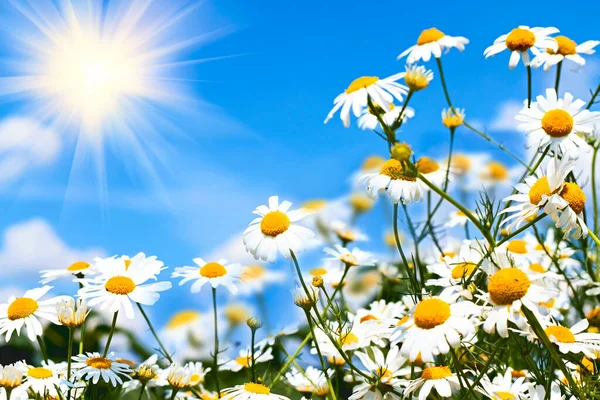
x,y
256,126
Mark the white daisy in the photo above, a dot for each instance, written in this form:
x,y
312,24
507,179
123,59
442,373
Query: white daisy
x,y
45,379
185,376
77,268
538,392
432,41
347,233
244,360
348,337
251,391
558,123
369,121
355,97
397,180
456,218
567,49
520,41
92,366
312,380
503,387
274,231
574,339
25,311
219,273
11,376
533,194
417,77
255,278
386,370
566,209
436,324
120,281
351,258
440,378
432,170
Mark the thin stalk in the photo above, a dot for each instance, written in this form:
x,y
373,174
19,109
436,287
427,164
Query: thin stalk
x,y
290,360
216,349
110,335
142,390
69,356
323,366
174,393
40,340
529,86
593,97
444,86
557,81
164,350
253,335
594,237
412,278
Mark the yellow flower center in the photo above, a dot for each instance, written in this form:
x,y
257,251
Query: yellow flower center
x,y
504,396
22,307
508,285
373,162
560,333
430,313
361,83
384,374
78,266
536,267
39,373
516,373
566,46
395,170
368,317
99,363
496,171
460,163
349,259
348,339
463,269
183,318
253,272
538,189
594,317
256,388
429,35
452,119
119,285
588,364
416,79
274,223
314,205
360,202
318,271
573,194
243,361
520,40
213,270
427,165
518,246
436,373
557,123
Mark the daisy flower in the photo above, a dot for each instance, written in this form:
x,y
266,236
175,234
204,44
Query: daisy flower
x,y
244,360
574,339
440,378
71,312
347,233
453,118
370,164
385,370
254,278
120,281
417,77
331,273
24,311
533,194
77,268
355,97
348,337
538,392
456,218
185,376
397,180
92,367
494,173
566,209
431,170
432,41
558,122
520,41
274,231
45,379
360,203
567,49
351,258
251,391
369,121
503,387
11,376
216,274
313,381
435,324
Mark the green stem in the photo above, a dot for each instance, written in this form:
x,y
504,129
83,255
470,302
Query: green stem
x,y
216,348
174,393
413,279
290,360
323,366
557,81
529,86
594,193
164,350
42,348
593,97
110,335
444,86
142,390
594,237
69,356
253,335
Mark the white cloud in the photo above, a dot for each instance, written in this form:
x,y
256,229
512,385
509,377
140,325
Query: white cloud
x,y
33,245
25,145
505,116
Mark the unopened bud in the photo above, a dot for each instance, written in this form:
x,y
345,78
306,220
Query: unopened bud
x,y
401,151
317,281
254,323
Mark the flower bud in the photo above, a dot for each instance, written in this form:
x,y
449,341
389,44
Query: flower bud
x,y
254,323
317,281
401,152
302,299
71,313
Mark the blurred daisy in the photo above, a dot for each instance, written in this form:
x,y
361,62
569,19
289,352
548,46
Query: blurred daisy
x,y
351,258
274,231
533,194
494,173
311,381
355,97
558,123
24,311
397,181
237,313
120,281
77,268
435,325
567,49
360,203
370,164
432,41
520,41
503,387
251,391
45,379
92,366
255,278
216,274
431,170
244,359
439,378
369,121
347,233
457,218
